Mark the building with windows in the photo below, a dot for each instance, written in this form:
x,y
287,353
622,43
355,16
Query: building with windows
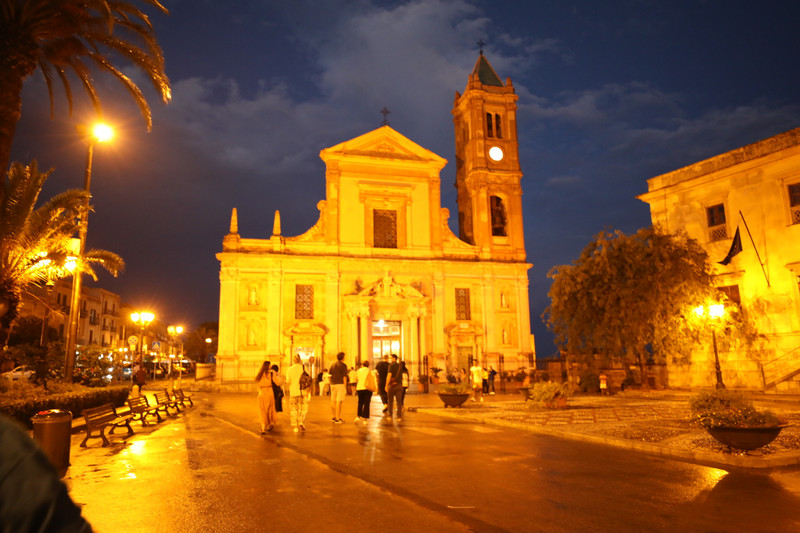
x,y
99,312
381,271
744,206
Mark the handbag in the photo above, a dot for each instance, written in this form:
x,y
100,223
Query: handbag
x,y
370,384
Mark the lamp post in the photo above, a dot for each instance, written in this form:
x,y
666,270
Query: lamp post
x,y
715,311
97,134
142,319
173,332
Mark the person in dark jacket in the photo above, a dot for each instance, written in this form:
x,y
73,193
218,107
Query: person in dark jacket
x,y
382,369
32,497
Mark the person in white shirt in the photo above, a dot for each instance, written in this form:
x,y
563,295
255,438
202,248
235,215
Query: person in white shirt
x,y
366,384
476,373
298,398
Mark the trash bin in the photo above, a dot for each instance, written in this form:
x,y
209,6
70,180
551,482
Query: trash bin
x,y
52,429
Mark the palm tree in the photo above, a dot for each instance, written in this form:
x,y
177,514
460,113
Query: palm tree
x,y
58,37
34,241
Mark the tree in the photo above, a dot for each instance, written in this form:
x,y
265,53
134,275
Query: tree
x,y
62,36
196,346
35,242
631,297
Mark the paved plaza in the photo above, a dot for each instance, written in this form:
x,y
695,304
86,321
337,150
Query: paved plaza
x,y
491,466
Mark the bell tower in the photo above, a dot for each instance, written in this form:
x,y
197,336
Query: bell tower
x,y
488,174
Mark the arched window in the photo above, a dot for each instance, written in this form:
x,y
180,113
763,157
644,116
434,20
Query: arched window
x,y
498,213
497,129
489,125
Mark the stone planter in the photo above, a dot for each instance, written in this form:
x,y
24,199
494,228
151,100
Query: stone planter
x,y
745,438
557,403
453,400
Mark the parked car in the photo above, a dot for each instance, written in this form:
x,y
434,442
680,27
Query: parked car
x,y
21,372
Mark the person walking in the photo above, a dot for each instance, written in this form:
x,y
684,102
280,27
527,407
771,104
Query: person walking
x,y
492,374
394,389
140,378
338,373
352,377
365,386
277,388
406,381
382,369
298,396
485,382
476,376
266,398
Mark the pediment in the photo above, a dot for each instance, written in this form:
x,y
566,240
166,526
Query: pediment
x,y
383,143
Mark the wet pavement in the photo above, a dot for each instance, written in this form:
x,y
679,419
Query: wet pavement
x,y
491,466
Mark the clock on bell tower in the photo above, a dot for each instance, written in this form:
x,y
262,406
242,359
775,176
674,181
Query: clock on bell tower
x,y
487,165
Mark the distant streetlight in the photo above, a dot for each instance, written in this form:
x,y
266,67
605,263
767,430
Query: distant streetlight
x,y
97,134
714,312
173,332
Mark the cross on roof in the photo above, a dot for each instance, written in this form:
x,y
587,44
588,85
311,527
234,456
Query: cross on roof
x,y
481,44
385,112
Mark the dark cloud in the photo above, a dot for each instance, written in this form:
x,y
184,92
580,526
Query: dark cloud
x,y
609,96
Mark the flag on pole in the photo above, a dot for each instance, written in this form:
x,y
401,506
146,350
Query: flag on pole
x,y
736,247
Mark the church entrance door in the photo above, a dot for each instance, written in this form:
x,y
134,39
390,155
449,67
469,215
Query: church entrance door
x,y
385,339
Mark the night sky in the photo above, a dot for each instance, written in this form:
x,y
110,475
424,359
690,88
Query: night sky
x,y
610,94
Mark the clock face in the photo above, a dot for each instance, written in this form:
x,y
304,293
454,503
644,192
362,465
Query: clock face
x,y
496,153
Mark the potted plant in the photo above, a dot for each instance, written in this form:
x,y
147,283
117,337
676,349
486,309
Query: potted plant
x,y
551,395
730,418
453,394
435,378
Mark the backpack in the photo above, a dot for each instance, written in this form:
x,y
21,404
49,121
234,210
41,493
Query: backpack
x,y
305,381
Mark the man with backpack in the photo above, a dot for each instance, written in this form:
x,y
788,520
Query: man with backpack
x,y
299,382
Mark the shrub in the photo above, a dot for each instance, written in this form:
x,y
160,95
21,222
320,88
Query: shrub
x,y
454,388
724,408
23,400
547,391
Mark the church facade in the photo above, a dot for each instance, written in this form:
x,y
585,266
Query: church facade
x,y
381,271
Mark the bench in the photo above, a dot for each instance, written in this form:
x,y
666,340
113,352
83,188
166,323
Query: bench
x,y
140,409
99,418
164,402
182,398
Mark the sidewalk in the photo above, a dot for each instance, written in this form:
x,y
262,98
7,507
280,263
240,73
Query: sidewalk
x,y
651,422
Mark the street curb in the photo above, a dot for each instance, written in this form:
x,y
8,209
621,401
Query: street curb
x,y
706,458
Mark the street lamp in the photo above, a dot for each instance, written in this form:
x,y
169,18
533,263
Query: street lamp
x,y
716,311
173,332
97,134
142,319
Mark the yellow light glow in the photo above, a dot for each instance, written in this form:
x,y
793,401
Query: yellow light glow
x,y
142,318
102,132
699,311
716,310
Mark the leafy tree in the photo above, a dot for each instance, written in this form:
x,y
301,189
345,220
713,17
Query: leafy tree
x,y
631,297
63,36
196,347
35,242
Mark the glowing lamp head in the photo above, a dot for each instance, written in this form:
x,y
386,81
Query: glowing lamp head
x,y
716,310
102,133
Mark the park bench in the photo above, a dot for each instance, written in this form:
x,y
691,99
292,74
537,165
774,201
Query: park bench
x,y
99,418
140,409
164,402
182,398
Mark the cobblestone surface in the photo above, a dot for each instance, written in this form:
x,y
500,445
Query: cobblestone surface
x,y
663,424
